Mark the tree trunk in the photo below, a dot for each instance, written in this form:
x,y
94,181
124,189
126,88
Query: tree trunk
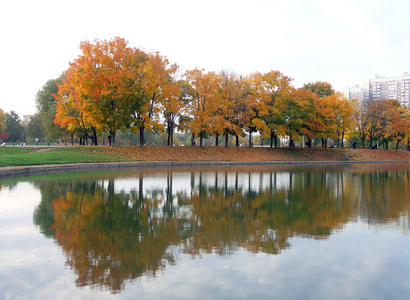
x,y
226,140
236,140
343,138
200,138
217,140
193,139
72,139
95,140
169,136
142,129
111,139
170,140
397,146
272,134
250,139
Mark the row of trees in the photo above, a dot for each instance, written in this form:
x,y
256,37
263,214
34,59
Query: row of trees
x,y
112,87
382,121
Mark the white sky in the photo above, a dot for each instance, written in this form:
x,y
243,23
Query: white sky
x,y
341,42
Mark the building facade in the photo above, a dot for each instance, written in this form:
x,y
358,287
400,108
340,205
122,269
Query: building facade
x,y
383,88
357,92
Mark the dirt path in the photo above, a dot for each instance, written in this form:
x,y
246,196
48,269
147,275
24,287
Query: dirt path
x,y
36,149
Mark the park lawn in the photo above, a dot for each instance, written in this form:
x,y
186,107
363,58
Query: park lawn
x,y
14,150
20,156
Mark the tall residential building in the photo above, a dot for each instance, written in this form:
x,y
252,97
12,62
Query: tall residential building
x,y
383,88
357,92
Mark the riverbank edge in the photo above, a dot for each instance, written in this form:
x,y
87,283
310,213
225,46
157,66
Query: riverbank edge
x,y
24,171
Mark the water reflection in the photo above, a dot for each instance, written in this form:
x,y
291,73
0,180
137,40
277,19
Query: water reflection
x,y
118,226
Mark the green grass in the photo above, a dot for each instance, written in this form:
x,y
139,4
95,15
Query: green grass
x,y
14,150
16,156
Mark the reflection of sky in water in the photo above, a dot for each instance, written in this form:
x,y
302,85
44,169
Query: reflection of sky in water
x,y
360,261
254,182
350,265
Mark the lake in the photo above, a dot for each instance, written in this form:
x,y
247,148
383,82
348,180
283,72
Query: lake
x,y
252,232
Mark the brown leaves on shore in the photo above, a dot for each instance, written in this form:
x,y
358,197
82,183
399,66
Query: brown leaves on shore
x,y
242,154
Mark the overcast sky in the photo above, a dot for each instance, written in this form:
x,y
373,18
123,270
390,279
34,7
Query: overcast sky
x,y
341,42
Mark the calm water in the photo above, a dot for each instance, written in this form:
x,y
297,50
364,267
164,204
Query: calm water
x,y
311,232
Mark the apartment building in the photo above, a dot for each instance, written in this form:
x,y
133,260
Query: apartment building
x,y
357,92
383,88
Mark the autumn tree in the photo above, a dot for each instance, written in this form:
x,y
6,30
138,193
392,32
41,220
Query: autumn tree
x,y
275,88
312,108
205,91
380,121
173,104
158,92
375,123
295,110
222,107
106,77
320,88
2,121
232,96
360,120
72,111
344,112
394,123
256,109
406,118
267,95
328,119
389,122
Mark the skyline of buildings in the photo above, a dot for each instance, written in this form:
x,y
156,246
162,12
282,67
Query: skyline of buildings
x,y
382,88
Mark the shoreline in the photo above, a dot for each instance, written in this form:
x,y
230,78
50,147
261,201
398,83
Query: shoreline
x,y
25,171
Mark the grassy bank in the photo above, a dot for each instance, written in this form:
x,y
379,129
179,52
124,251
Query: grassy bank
x,y
23,156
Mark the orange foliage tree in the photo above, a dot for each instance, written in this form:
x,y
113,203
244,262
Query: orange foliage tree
x,y
296,111
158,92
104,79
232,96
205,91
71,109
274,88
344,112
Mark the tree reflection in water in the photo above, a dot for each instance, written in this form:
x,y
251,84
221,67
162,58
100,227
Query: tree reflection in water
x,y
110,235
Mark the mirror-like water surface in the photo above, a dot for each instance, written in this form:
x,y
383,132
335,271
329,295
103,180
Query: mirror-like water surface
x,y
307,232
